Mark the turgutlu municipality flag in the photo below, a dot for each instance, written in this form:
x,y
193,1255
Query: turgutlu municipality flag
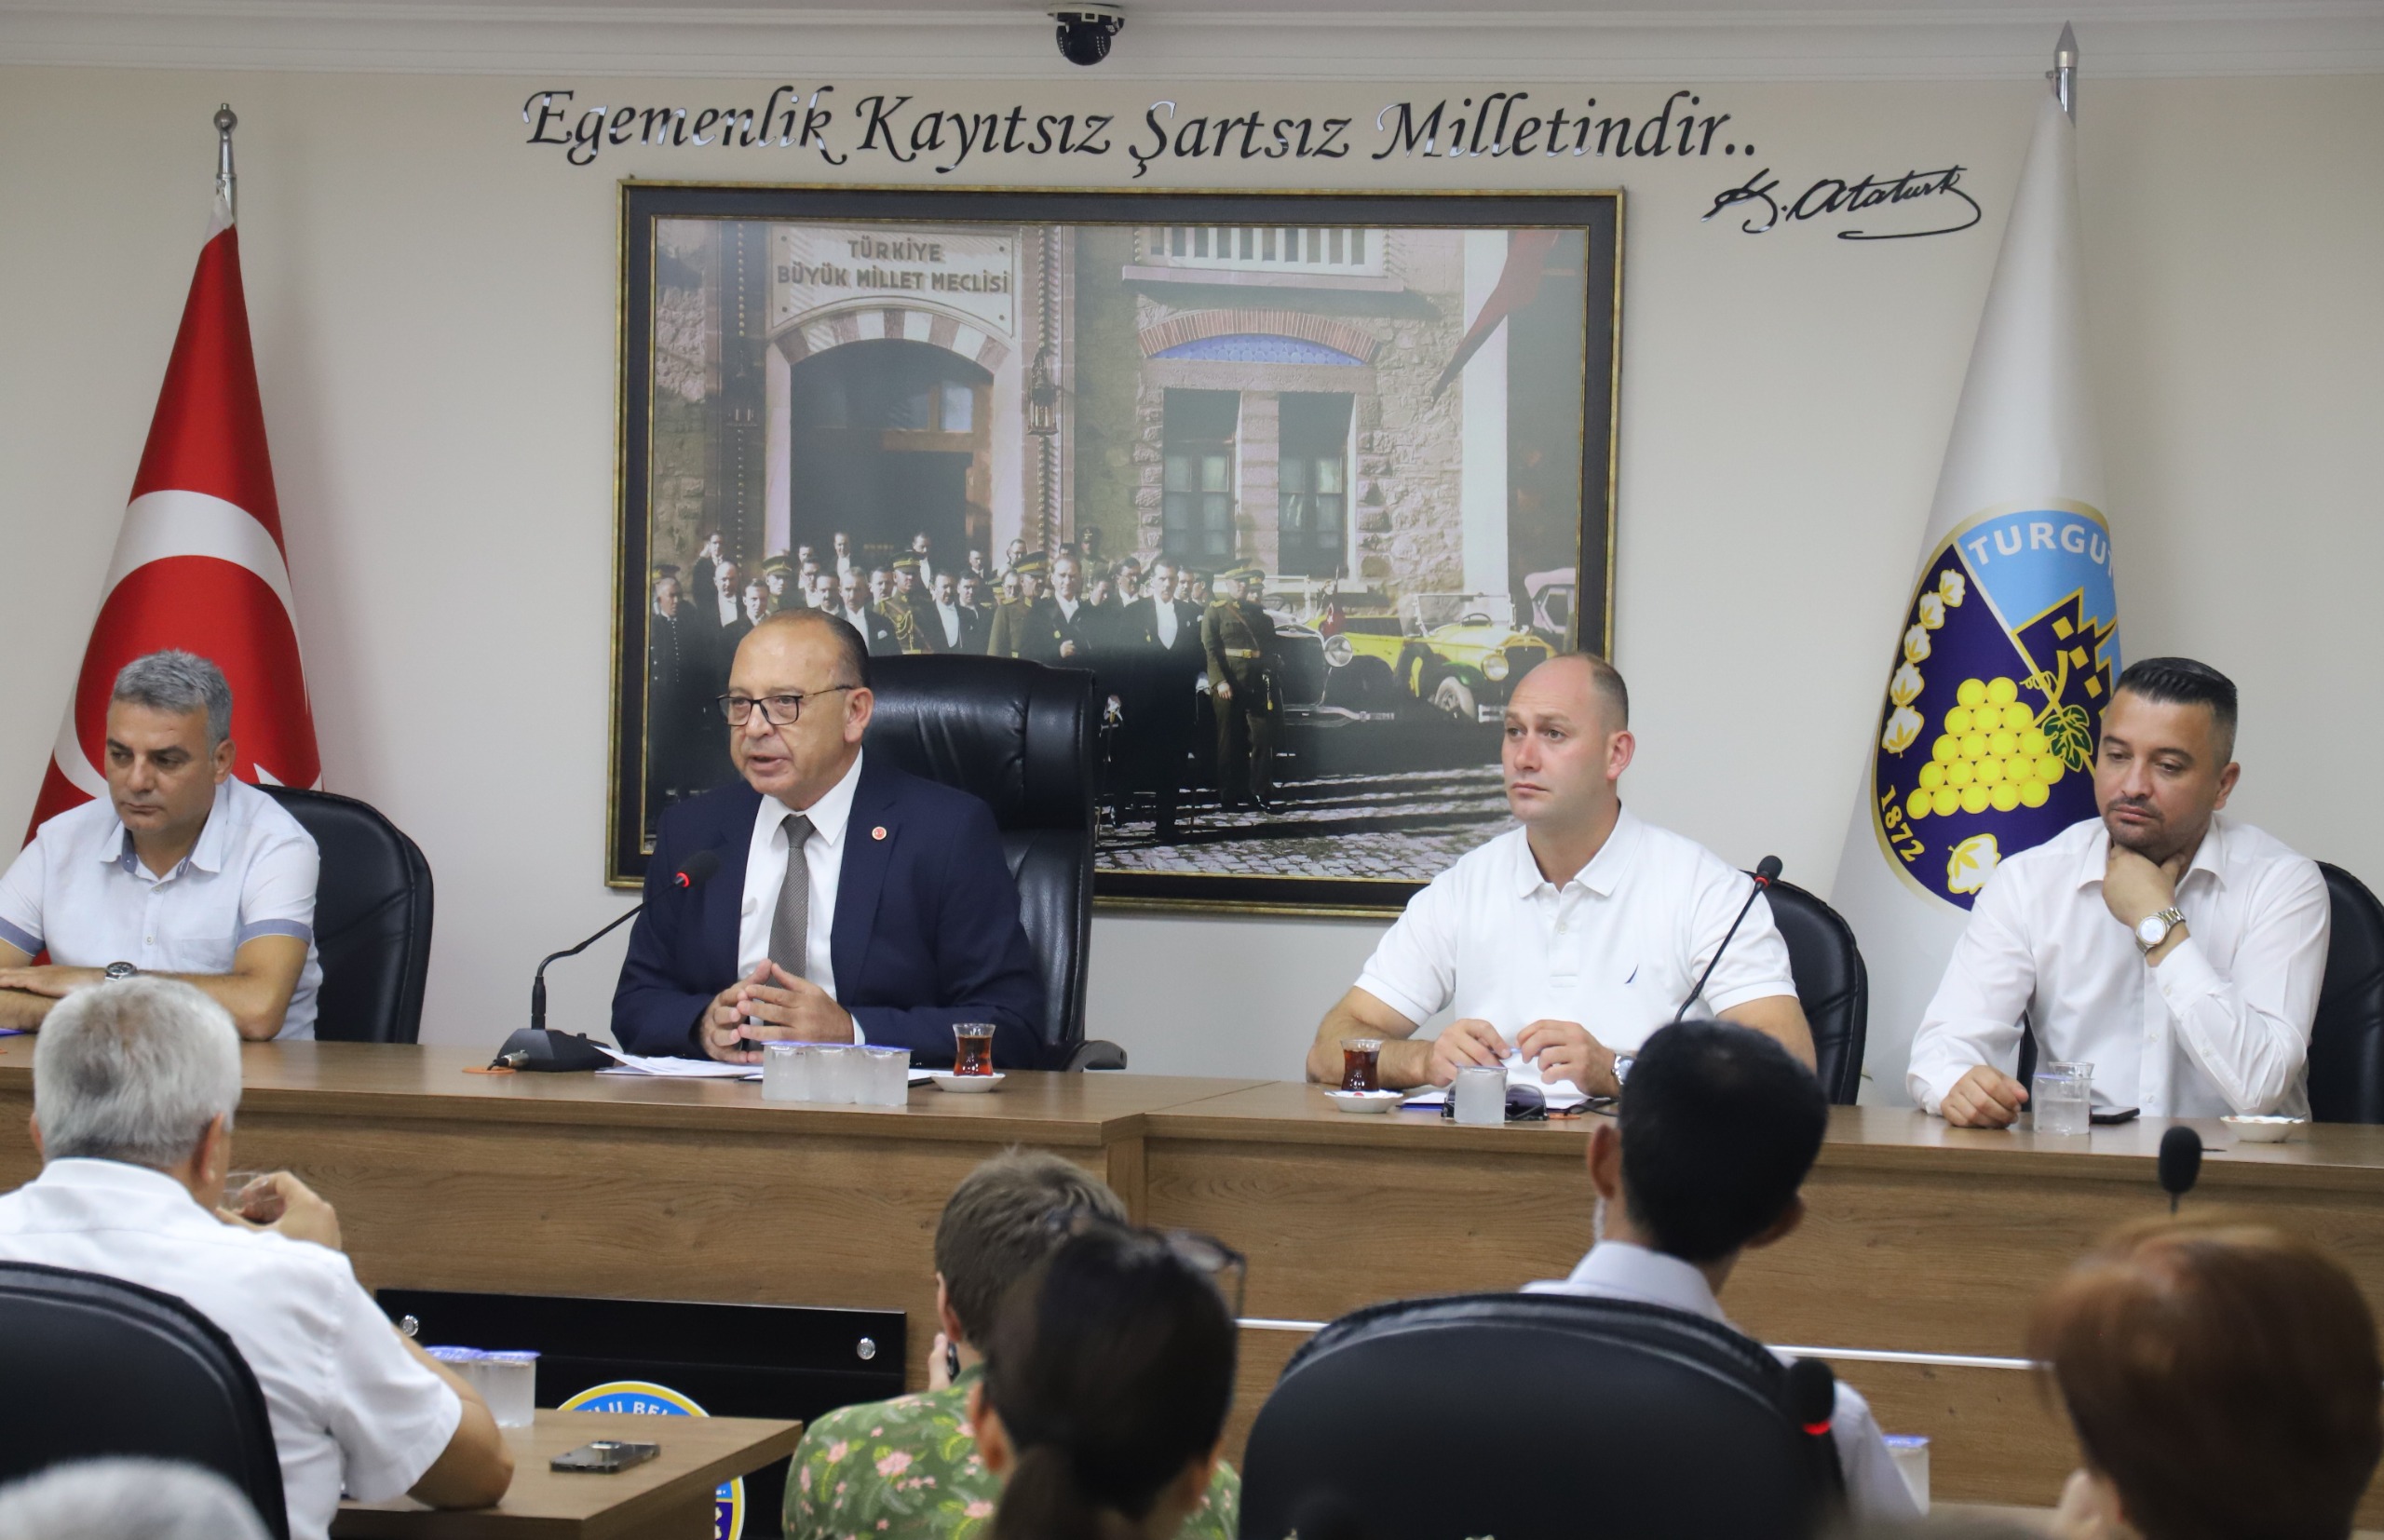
x,y
1984,744
199,561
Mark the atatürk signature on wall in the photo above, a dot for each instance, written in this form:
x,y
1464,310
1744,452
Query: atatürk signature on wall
x,y
1872,194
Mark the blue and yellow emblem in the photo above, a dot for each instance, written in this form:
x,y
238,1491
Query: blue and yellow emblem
x,y
1995,706
647,1399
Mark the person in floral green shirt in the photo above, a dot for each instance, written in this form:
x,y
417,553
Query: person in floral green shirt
x,y
908,1469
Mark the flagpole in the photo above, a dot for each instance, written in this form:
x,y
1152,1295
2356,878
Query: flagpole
x,y
2062,74
226,184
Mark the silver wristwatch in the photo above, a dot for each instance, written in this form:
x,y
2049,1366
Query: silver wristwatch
x,y
2153,929
116,972
1622,1062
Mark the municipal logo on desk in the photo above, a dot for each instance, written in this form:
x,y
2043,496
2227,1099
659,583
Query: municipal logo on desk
x,y
1995,703
646,1398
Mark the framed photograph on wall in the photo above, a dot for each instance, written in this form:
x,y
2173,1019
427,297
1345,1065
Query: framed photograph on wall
x,y
1307,480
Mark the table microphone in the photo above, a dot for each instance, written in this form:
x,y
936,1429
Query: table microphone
x,y
1766,870
697,870
2180,1163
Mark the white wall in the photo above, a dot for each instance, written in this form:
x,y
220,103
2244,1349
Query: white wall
x,y
433,307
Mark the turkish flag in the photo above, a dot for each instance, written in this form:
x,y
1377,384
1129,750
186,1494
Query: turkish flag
x,y
199,563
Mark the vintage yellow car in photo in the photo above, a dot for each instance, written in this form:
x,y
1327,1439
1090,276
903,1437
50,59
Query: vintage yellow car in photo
x,y
1459,653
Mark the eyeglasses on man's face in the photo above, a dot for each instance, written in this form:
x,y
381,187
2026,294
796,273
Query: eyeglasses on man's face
x,y
778,711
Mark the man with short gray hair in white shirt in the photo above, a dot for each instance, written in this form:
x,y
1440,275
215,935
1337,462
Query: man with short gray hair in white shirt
x,y
2176,950
1564,944
134,1087
178,870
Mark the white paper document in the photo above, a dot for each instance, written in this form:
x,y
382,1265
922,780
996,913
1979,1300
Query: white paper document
x,y
670,1068
1562,1095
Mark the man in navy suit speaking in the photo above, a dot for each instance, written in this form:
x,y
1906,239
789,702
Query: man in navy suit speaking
x,y
854,903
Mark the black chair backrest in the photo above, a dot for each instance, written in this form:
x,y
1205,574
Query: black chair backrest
x,y
1544,1415
1019,737
94,1366
1832,984
2347,1039
371,918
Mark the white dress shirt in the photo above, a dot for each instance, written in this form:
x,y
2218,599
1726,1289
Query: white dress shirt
x,y
80,891
350,1407
1163,621
950,616
2221,1026
1615,1270
824,848
1616,950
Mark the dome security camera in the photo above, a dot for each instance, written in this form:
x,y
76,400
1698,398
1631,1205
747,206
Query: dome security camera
x,y
1085,31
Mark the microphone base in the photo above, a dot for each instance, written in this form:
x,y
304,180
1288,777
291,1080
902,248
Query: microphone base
x,y
555,1052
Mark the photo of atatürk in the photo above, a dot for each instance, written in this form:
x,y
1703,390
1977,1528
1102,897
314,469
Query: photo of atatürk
x,y
1305,496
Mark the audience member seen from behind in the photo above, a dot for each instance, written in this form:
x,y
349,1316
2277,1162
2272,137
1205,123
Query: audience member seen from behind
x,y
906,1469
1716,1132
134,1087
127,1499
178,870
1105,1389
2222,1377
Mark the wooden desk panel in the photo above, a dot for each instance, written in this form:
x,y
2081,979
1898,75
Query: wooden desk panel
x,y
670,1497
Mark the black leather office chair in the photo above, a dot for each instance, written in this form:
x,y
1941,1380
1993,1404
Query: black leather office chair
x,y
1544,1415
94,1366
1021,736
2347,1039
1832,984
371,918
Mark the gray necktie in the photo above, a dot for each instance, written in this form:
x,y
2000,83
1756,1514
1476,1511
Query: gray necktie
x,y
791,926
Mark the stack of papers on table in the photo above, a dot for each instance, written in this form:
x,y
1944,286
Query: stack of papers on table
x,y
1562,1095
670,1068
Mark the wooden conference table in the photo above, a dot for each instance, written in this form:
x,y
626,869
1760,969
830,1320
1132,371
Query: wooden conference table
x,y
1915,1270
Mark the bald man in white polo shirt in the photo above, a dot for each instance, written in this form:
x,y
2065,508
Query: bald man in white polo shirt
x,y
1562,945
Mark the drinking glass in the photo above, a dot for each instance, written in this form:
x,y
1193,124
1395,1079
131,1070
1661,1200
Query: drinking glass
x,y
1361,1064
786,1072
245,1195
838,1074
510,1386
2062,1097
972,1047
1481,1095
889,1076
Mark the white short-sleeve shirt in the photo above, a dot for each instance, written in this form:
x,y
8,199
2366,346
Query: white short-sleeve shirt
x,y
1616,950
350,1405
80,891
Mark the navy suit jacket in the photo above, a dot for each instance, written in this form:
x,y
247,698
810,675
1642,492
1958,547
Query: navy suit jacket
x,y
926,931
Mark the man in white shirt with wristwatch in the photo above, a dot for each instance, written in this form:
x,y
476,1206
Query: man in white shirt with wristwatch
x,y
1564,944
2178,951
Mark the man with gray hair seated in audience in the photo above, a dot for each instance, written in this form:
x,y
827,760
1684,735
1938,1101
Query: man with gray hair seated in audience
x,y
134,1087
121,1499
178,870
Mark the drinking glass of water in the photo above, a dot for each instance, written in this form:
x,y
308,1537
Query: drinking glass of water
x,y
2063,1098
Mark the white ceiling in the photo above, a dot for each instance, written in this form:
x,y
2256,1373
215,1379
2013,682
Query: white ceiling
x,y
1605,40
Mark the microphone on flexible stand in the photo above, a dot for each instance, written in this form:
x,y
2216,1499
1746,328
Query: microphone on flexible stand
x,y
2180,1164
533,1048
1766,871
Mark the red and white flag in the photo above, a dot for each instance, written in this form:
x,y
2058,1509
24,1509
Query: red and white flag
x,y
199,564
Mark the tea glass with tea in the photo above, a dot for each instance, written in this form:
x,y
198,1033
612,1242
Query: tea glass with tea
x,y
972,1047
1361,1064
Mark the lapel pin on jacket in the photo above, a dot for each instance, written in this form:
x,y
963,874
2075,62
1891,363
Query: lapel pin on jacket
x,y
878,832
